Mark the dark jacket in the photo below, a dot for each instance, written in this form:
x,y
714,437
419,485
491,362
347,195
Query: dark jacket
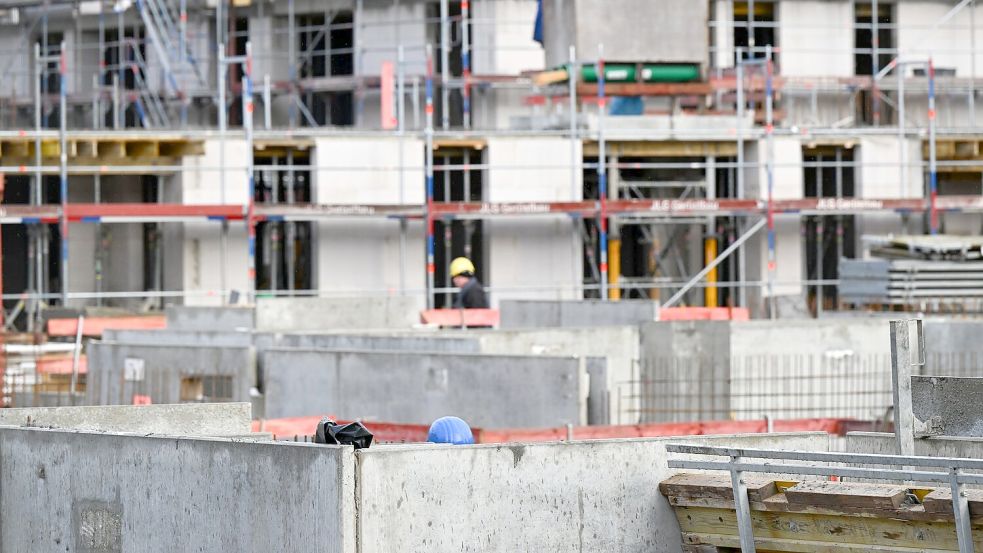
x,y
471,296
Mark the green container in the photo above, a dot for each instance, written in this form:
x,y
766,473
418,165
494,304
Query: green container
x,y
651,73
670,73
613,73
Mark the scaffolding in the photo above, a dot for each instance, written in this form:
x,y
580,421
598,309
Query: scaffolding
x,y
148,101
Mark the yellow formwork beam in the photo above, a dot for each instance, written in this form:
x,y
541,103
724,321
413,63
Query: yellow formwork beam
x,y
614,268
709,254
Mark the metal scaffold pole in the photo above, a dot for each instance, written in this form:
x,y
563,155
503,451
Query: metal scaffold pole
x,y
428,134
401,131
222,123
575,222
63,173
445,39
933,173
602,174
466,60
247,118
770,135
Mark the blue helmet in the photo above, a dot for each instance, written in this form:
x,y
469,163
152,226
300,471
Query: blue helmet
x,y
450,430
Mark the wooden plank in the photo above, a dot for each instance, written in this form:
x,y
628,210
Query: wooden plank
x,y
16,148
647,89
685,488
939,501
663,148
111,149
181,148
821,531
142,148
773,545
846,494
86,148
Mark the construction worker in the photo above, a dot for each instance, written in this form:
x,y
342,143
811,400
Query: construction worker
x,y
450,430
472,294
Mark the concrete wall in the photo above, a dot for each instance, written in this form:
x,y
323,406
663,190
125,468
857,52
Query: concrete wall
x,y
209,319
487,391
885,444
502,38
879,174
586,313
200,419
179,337
619,345
579,496
532,257
594,22
117,372
701,370
201,182
312,314
422,343
816,38
354,255
94,492
949,44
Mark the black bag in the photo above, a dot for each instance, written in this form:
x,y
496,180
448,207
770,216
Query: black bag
x,y
353,433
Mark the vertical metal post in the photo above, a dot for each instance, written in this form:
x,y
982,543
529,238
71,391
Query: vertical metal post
x,y
120,70
960,509
400,131
933,174
428,134
602,176
183,29
97,197
36,193
222,123
468,225
466,61
972,64
117,101
770,135
274,230
101,77
292,57
903,184
839,194
741,262
290,230
875,58
247,120
743,507
901,365
820,220
446,227
63,169
573,73
267,103
445,53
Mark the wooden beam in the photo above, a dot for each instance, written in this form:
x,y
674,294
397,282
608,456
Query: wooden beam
x,y
16,148
666,148
462,143
142,148
110,150
647,89
182,148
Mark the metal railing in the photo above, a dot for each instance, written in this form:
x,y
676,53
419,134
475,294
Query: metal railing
x,y
833,384
899,468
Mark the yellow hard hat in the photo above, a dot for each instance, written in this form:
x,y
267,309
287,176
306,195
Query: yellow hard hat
x,y
460,266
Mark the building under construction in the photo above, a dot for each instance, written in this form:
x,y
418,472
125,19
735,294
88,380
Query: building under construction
x,y
726,153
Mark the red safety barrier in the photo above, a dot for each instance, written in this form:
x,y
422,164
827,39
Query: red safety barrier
x,y
704,314
456,318
61,365
94,326
386,432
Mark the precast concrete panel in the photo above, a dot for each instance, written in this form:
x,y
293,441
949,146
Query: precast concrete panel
x,y
105,493
488,391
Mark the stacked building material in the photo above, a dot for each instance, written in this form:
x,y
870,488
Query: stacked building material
x,y
930,273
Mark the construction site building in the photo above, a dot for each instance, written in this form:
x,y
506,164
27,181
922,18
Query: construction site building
x,y
162,152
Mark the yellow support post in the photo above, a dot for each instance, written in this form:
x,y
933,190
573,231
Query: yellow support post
x,y
614,268
709,254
